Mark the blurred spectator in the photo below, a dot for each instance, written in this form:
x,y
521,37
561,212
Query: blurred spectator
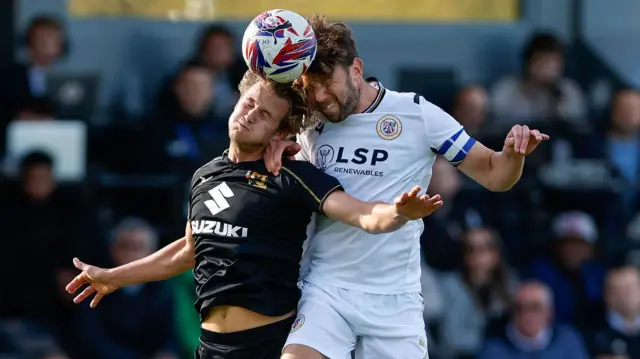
x,y
135,322
470,108
22,82
540,93
572,271
621,145
215,50
185,131
440,238
41,224
531,334
49,225
477,297
46,43
618,337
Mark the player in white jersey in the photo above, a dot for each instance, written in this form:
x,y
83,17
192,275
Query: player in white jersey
x,y
359,293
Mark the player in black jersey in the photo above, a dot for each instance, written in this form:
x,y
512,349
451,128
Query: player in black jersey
x,y
246,227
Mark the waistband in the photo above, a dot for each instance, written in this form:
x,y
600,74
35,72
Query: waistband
x,y
264,333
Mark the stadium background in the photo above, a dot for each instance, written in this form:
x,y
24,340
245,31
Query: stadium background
x,y
147,131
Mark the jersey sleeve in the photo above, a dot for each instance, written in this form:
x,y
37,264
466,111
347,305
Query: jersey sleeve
x,y
446,136
194,181
310,186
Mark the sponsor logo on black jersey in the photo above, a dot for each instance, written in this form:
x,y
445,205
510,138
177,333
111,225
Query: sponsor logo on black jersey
x,y
218,228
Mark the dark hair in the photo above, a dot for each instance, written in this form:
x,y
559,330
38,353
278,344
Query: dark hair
x,y
542,42
35,158
498,284
193,64
48,22
335,45
299,116
211,30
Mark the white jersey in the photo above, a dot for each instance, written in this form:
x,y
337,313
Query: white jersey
x,y
377,155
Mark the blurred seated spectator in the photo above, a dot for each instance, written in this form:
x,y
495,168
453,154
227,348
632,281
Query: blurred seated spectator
x,y
215,49
470,107
540,93
531,333
621,145
45,42
185,132
571,270
135,322
440,238
477,297
618,335
44,222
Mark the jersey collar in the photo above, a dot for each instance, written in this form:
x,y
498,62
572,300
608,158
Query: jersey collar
x,y
381,91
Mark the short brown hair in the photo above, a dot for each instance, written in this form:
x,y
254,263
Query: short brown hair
x,y
299,116
336,45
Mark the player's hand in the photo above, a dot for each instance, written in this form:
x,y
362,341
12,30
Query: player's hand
x,y
273,154
412,206
522,140
98,280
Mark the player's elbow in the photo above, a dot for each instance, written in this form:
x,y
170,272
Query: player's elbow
x,y
496,186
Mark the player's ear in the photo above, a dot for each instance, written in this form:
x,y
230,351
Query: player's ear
x,y
357,68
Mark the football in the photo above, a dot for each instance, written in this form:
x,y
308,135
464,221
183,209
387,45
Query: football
x,y
279,45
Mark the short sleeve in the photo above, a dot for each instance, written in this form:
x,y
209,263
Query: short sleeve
x,y
310,185
446,136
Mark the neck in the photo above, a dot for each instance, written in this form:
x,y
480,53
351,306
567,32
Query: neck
x,y
237,154
368,94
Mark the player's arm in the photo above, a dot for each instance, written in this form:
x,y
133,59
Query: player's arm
x,y
173,259
496,171
324,194
380,217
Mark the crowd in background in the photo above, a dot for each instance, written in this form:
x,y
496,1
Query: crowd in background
x,y
550,266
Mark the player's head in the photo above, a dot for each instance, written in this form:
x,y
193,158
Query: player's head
x,y
332,82
266,110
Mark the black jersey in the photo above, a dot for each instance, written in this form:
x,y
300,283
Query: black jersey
x,y
249,227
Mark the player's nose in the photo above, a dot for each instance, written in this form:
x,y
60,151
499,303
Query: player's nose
x,y
320,95
250,116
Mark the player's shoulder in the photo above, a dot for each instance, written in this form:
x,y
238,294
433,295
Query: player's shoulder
x,y
208,169
298,168
410,102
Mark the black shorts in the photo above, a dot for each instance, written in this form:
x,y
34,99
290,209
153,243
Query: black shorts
x,y
264,342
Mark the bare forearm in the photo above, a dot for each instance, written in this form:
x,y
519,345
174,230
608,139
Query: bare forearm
x,y
505,171
383,218
169,261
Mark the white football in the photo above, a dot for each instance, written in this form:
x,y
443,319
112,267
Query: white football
x,y
279,45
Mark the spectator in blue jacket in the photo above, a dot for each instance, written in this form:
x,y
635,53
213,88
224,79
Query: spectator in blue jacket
x,y
531,333
572,271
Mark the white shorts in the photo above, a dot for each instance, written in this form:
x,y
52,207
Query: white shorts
x,y
335,321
